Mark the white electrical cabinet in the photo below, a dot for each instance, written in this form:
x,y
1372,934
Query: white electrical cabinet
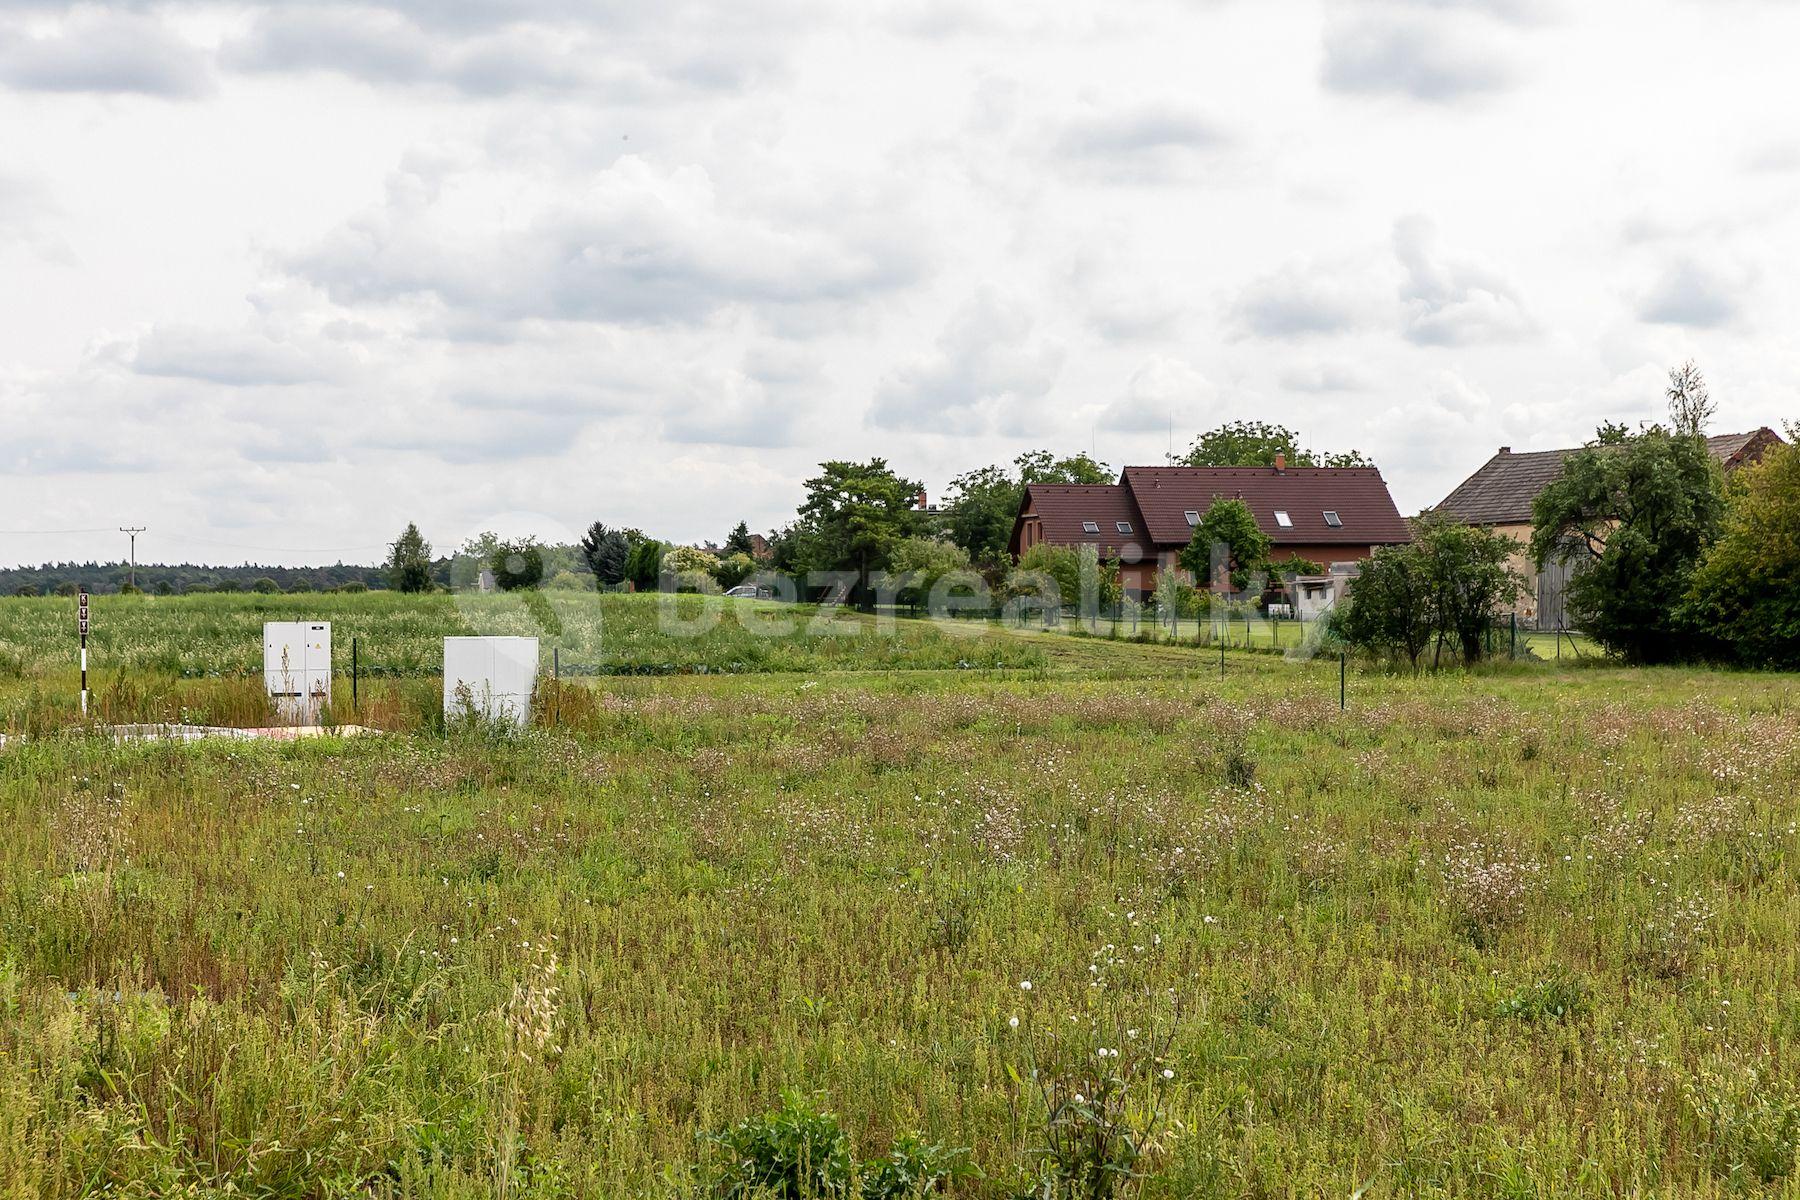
x,y
297,668
490,677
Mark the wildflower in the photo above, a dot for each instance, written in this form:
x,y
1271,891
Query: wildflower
x,y
1014,1022
1168,1073
1024,985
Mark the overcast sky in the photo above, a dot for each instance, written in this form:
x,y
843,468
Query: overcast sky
x,y
280,277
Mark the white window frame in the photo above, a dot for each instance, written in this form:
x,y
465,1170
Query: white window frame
x,y
1090,527
1282,519
1333,519
1122,526
1193,518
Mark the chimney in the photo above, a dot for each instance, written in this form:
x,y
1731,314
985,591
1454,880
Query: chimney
x,y
1280,462
1506,449
922,500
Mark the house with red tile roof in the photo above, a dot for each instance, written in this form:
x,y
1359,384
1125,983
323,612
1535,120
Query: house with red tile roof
x,y
1331,515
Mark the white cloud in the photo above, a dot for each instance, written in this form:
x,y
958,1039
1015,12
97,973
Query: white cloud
x,y
1303,299
642,245
240,358
989,370
1147,141
1450,301
1415,52
1696,294
1161,391
106,52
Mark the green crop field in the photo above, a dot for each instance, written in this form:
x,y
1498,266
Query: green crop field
x,y
1001,916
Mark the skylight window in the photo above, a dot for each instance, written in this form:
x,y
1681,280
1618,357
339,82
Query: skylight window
x,y
1122,526
1193,518
1090,527
1332,519
1282,519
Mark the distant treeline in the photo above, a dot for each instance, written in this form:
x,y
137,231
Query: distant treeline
x,y
173,579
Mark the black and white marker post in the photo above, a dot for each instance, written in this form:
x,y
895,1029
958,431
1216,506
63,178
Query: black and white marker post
x,y
82,618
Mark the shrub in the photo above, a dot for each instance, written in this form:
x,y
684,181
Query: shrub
x,y
691,569
796,1152
913,1169
799,1152
735,568
265,586
1553,998
921,562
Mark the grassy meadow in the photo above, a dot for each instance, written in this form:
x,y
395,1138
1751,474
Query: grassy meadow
x,y
1063,916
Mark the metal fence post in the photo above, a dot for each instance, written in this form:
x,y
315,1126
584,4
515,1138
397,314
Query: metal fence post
x,y
1343,679
1515,635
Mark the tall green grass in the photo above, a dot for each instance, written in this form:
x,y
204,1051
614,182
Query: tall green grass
x,y
398,635
1513,934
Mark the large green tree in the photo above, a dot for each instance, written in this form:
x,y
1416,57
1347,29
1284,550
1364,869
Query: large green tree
x,y
1389,610
1746,595
982,507
984,503
1040,466
1635,515
738,540
853,515
409,561
1256,443
518,565
605,551
1230,524
643,564
1471,580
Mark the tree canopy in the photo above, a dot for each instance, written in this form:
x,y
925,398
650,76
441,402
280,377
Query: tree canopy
x,y
1447,586
738,540
409,561
1635,516
853,515
1256,443
1231,525
1746,595
984,503
605,552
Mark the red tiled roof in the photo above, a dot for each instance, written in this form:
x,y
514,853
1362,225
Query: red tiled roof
x,y
1063,507
1357,494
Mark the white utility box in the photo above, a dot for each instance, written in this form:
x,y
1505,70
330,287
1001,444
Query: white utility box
x,y
297,668
490,677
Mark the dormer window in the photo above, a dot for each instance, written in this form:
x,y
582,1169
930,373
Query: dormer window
x,y
1333,520
1282,519
1090,527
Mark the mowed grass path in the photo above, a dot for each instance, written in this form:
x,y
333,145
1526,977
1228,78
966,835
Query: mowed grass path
x,y
1524,934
